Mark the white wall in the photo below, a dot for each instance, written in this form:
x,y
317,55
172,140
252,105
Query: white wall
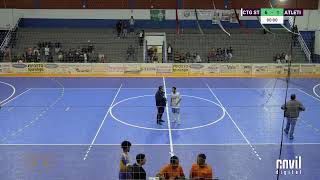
x,y
310,21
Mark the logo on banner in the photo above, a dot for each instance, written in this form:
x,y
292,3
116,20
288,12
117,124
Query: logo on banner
x,y
35,68
180,68
51,66
19,65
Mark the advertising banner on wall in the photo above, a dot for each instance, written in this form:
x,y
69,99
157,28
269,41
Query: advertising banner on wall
x,y
19,68
157,14
164,68
197,69
180,68
151,69
115,68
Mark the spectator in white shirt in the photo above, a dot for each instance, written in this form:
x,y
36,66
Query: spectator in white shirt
x,y
47,53
198,59
287,58
131,22
169,52
229,56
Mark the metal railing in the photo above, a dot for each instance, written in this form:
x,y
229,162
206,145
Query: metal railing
x,y
302,43
8,37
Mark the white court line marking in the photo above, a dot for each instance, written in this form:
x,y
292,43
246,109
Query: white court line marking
x,y
246,139
308,94
16,97
168,119
34,120
232,144
105,117
13,92
314,90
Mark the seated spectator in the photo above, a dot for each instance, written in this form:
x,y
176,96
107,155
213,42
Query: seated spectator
x,y
29,54
57,49
172,170
141,37
36,50
287,58
188,57
60,56
229,56
211,54
201,170
47,52
278,58
85,57
102,58
224,54
197,58
138,173
36,54
130,53
125,167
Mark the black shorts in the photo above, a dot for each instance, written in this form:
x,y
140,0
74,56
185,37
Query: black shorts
x,y
160,110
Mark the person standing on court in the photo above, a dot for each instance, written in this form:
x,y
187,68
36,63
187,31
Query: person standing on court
x,y
292,110
161,102
175,104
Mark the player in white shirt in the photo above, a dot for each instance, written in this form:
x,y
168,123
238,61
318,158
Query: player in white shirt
x,y
175,104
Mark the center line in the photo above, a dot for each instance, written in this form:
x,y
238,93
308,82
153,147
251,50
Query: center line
x,y
105,117
168,118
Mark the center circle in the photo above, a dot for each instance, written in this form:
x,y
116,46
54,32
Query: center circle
x,y
166,129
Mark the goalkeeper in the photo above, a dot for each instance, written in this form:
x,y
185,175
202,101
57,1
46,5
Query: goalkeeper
x,y
175,104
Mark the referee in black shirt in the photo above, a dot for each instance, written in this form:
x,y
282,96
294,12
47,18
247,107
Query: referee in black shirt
x,y
138,173
161,102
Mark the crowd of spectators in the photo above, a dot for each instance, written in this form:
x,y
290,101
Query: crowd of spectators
x,y
200,170
220,54
281,58
123,27
49,52
152,55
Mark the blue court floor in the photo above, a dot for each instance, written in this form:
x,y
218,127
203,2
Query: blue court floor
x,y
71,128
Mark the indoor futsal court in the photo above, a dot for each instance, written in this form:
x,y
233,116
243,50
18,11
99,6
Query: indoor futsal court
x,y
72,127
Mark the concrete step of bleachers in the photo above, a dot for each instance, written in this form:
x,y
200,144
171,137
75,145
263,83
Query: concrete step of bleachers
x,y
248,47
